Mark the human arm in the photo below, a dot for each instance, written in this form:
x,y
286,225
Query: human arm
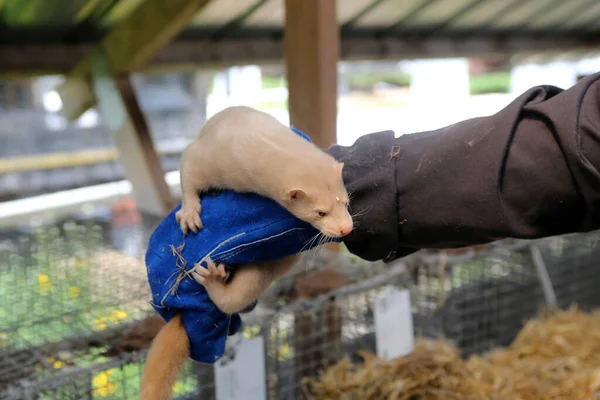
x,y
529,171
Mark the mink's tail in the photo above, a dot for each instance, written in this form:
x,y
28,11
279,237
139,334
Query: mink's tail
x,y
166,358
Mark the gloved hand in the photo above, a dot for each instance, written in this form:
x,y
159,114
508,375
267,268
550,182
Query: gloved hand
x,y
529,171
370,176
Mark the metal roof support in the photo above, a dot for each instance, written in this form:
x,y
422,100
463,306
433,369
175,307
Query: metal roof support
x,y
416,11
575,13
507,9
539,10
238,21
122,114
352,21
149,27
456,15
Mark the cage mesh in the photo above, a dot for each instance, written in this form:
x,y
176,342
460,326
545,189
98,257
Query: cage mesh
x,y
67,300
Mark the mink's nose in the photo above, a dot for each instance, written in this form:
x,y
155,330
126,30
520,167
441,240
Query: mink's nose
x,y
346,230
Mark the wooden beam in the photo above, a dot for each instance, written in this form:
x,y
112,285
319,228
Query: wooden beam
x,y
32,60
222,53
149,28
124,118
77,96
312,46
128,46
68,159
37,60
151,160
191,54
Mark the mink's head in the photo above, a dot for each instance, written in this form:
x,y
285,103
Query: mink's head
x,y
319,197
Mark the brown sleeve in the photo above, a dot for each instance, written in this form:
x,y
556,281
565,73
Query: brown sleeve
x,y
531,170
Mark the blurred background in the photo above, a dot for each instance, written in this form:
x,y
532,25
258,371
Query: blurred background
x,y
98,98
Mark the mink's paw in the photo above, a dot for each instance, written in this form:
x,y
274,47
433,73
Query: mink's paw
x,y
188,218
211,276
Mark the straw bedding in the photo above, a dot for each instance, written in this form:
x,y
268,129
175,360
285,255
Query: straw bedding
x,y
555,356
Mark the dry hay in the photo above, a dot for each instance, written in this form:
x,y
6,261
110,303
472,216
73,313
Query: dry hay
x,y
432,371
555,356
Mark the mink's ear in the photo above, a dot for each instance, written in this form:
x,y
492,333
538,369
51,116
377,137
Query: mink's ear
x,y
295,194
339,166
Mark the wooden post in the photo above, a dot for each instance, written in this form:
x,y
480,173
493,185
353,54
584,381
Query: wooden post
x,y
122,114
312,49
312,46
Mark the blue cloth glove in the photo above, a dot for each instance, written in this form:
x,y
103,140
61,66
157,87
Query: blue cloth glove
x,y
239,228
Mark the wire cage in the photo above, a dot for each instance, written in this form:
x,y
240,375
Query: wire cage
x,y
75,318
65,299
478,301
75,322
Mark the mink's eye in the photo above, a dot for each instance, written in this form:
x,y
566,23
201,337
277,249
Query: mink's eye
x,y
322,214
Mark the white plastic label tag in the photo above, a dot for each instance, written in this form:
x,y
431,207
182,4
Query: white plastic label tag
x,y
394,333
240,374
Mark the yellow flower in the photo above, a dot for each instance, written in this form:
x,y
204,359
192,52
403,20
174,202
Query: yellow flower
x,y
117,315
56,363
176,387
102,384
100,324
74,291
284,352
44,281
251,331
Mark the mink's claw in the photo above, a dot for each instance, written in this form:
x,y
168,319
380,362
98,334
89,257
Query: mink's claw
x,y
217,270
212,274
197,221
189,219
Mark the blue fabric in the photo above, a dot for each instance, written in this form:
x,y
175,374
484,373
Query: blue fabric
x,y
254,228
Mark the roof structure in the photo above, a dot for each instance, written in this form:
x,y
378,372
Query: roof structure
x,y
97,44
52,36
